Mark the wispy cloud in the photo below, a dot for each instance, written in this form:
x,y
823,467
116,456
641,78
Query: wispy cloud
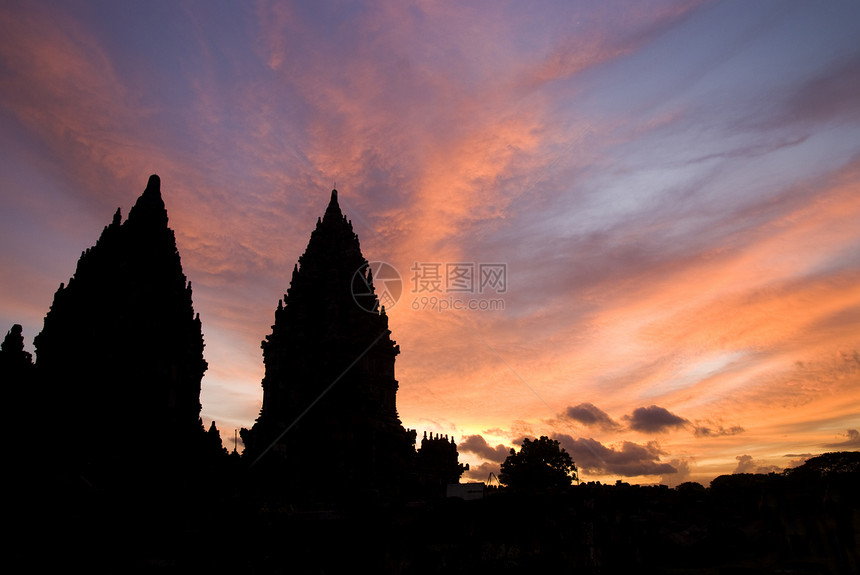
x,y
711,430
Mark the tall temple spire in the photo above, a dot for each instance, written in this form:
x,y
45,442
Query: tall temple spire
x,y
333,209
329,421
149,206
121,350
329,390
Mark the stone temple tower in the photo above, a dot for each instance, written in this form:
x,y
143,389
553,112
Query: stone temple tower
x,y
329,418
120,357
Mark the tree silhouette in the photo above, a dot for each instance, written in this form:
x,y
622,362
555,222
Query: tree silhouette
x,y
541,463
14,361
828,465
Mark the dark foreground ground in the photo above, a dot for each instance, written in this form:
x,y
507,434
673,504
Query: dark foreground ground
x,y
750,524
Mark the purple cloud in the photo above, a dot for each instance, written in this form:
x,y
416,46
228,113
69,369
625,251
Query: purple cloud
x,y
716,431
654,419
478,445
746,464
629,460
482,472
590,415
853,441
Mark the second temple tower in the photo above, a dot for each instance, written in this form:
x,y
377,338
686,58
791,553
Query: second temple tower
x,y
329,418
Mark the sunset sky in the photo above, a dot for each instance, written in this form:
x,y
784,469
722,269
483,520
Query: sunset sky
x,y
673,189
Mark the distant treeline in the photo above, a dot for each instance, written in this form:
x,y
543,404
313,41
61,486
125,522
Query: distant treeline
x,y
806,520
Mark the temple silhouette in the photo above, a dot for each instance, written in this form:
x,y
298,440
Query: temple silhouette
x,y
113,472
120,357
120,362
329,419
